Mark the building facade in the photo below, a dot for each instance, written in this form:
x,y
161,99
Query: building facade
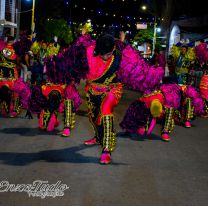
x,y
8,17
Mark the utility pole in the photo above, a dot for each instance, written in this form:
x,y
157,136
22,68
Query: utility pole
x,y
154,35
33,19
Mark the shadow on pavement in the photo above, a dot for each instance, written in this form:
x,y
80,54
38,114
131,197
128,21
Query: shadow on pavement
x,y
27,131
82,113
137,137
67,155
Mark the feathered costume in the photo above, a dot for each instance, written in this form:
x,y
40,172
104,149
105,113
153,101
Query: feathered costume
x,y
104,81
169,103
202,54
142,114
192,105
9,100
50,92
189,105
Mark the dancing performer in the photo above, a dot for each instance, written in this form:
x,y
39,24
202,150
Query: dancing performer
x,y
50,92
106,64
192,105
160,104
191,101
170,104
202,54
9,100
70,100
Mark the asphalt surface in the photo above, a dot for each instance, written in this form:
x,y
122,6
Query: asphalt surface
x,y
144,172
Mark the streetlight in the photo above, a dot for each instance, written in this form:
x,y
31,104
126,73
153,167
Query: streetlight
x,y
158,29
144,7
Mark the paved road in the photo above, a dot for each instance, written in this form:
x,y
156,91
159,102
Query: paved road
x,y
145,172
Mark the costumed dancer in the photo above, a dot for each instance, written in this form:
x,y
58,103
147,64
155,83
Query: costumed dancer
x,y
192,105
51,92
191,101
58,76
160,104
106,65
204,87
9,100
202,54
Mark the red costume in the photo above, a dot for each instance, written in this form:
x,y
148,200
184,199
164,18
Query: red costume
x,y
9,100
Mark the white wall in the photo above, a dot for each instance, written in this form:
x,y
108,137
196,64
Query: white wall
x,y
2,9
174,36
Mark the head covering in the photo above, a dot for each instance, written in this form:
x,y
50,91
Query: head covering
x,y
9,52
104,45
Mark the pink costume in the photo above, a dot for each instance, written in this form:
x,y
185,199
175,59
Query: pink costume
x,y
104,88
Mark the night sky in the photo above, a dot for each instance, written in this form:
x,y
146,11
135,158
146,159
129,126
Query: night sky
x,y
122,13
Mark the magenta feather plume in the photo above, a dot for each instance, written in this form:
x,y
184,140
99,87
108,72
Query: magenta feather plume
x,y
172,95
137,115
196,98
202,52
72,93
136,73
2,44
68,66
84,40
24,92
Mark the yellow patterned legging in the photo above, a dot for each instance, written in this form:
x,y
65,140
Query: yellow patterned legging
x,y
169,120
100,112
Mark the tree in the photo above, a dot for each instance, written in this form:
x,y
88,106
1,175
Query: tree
x,y
146,36
56,27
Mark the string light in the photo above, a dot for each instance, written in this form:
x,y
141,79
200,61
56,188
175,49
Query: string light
x,y
99,12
